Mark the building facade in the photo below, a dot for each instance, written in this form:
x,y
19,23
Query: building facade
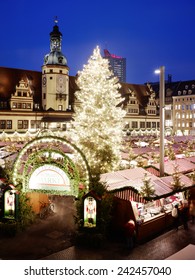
x,y
31,101
117,64
179,106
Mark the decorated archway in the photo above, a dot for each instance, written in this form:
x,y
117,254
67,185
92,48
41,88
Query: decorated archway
x,y
52,165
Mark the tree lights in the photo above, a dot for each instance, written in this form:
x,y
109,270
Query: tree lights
x,y
98,119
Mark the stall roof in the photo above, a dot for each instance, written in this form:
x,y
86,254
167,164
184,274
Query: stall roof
x,y
134,178
125,178
191,159
164,186
184,166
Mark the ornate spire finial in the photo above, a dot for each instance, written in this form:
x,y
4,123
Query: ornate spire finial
x,y
56,20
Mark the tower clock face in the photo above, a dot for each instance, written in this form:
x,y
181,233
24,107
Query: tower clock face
x,y
61,80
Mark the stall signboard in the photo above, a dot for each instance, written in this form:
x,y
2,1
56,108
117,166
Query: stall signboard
x,y
49,177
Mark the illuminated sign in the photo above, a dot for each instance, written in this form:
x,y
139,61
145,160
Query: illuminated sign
x,y
49,177
9,204
90,208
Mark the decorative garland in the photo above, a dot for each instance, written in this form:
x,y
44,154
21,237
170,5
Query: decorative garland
x,y
37,159
23,169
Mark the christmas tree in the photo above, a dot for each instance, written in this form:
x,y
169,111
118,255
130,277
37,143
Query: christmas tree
x,y
98,118
147,190
177,183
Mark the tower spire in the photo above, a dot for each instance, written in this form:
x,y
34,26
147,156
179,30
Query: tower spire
x,y
56,20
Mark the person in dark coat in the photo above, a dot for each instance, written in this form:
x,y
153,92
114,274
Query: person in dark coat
x,y
176,216
129,231
185,214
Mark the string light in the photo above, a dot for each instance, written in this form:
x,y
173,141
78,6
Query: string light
x,y
98,120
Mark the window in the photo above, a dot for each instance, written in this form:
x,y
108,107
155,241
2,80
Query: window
x,y
151,112
9,124
14,105
2,124
60,107
134,124
132,111
142,124
5,124
3,104
37,106
23,124
60,59
35,124
20,124
148,124
153,125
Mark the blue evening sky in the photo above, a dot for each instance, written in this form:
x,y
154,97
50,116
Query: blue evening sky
x,y
148,33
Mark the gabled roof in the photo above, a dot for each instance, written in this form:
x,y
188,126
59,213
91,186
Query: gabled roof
x,y
10,77
142,92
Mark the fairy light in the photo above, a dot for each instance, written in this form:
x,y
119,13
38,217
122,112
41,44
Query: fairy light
x,y
44,140
98,122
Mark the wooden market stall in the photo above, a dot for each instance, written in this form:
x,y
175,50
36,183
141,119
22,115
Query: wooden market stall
x,y
151,217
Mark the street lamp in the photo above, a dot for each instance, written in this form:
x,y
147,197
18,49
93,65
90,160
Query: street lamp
x,y
161,72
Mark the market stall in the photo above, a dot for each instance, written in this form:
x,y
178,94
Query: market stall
x,y
154,217
151,216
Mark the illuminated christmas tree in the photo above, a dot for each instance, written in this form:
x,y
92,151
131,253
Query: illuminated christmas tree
x,y
98,119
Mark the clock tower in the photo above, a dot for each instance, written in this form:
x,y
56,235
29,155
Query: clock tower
x,y
55,75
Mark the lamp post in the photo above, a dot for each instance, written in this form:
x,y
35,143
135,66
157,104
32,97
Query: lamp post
x,y
161,71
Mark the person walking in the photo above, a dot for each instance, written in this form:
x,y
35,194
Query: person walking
x,y
185,214
176,216
129,231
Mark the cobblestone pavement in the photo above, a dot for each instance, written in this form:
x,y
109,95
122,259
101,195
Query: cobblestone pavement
x,y
158,248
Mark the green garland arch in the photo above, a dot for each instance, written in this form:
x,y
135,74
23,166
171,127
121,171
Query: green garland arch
x,y
34,160
39,158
